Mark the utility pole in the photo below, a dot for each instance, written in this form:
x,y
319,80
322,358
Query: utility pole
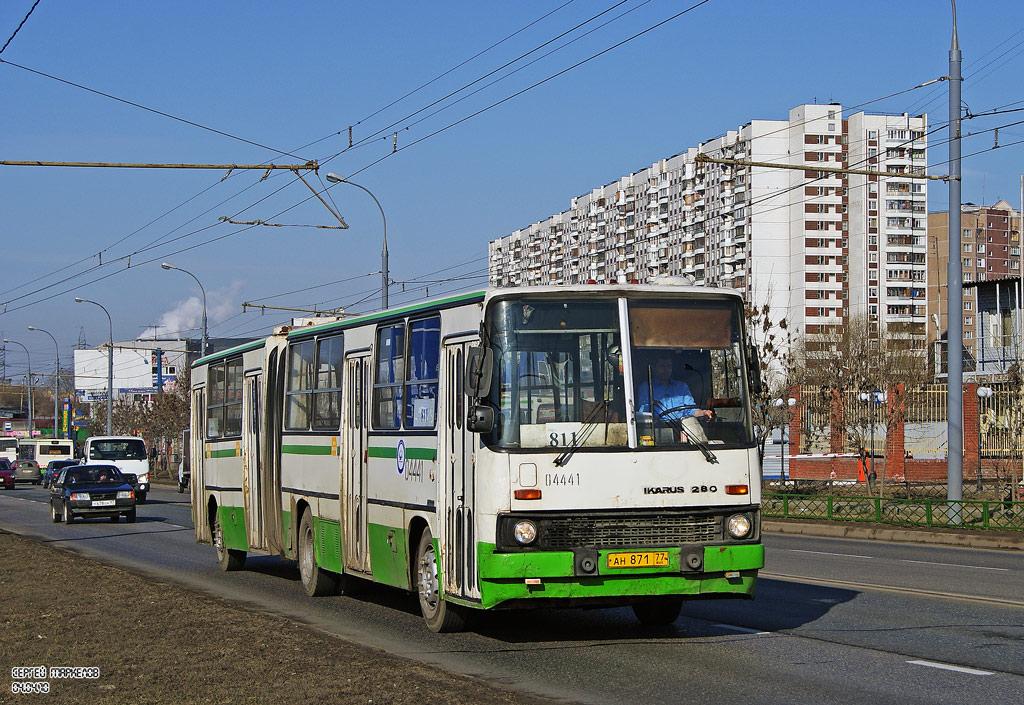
x,y
954,293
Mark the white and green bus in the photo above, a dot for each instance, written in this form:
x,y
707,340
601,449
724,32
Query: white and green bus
x,y
492,450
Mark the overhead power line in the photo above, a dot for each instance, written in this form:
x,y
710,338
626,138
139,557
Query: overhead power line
x,y
151,110
20,25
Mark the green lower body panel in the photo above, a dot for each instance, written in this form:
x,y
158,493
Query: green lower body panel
x,y
328,544
232,525
286,532
727,571
389,555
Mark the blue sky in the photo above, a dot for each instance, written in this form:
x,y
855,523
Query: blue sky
x,y
292,76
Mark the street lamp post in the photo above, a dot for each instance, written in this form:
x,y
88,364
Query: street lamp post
x,y
56,377
110,364
31,412
336,179
168,265
983,393
783,437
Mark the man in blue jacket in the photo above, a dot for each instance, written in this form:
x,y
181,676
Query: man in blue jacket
x,y
668,393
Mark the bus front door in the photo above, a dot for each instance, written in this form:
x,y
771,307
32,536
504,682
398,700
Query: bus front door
x,y
354,540
197,460
252,487
457,489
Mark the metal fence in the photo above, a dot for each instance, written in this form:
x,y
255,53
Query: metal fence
x,y
1000,418
1002,515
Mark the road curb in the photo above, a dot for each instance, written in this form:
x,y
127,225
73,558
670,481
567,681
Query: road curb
x,y
1002,540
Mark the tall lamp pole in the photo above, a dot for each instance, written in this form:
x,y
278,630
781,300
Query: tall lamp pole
x,y
56,377
983,393
954,294
336,179
31,412
168,265
110,365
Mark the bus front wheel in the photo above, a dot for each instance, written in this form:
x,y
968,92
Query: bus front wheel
x,y
441,616
658,611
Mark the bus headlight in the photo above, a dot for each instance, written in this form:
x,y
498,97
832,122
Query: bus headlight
x,y
738,526
525,532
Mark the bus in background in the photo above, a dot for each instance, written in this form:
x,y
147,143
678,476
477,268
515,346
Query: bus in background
x,y
497,449
9,449
43,450
128,453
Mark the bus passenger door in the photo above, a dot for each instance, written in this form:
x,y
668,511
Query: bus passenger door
x,y
197,460
252,487
270,455
354,540
458,481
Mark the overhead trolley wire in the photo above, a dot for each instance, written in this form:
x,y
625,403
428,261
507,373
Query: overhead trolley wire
x,y
20,25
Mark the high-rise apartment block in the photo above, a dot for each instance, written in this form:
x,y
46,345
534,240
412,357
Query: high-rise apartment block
x,y
990,250
816,246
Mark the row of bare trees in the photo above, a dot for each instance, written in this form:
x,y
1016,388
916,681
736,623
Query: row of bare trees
x,y
858,356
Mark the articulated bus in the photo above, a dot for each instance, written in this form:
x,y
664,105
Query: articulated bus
x,y
492,450
9,448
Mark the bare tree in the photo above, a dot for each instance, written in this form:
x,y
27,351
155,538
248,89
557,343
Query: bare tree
x,y
770,343
863,358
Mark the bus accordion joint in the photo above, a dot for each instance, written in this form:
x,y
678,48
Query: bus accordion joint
x,y
737,489
527,494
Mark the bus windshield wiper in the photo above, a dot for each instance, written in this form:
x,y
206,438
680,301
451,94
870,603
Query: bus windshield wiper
x,y
578,439
677,426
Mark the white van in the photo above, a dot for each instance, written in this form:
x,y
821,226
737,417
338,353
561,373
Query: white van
x,y
128,453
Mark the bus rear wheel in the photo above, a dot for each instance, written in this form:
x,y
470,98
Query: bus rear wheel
x,y
227,558
440,615
658,611
315,579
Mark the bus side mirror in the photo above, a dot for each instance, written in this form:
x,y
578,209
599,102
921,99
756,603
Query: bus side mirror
x,y
479,364
480,419
755,371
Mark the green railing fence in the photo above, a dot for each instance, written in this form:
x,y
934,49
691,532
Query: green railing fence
x,y
927,512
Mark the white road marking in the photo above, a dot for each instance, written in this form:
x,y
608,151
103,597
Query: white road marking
x,y
176,526
824,553
953,565
742,630
948,667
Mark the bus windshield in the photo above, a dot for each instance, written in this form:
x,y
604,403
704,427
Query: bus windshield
x,y
121,449
559,374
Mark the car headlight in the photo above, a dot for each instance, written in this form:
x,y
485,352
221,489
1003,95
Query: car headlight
x,y
79,496
125,494
525,532
738,526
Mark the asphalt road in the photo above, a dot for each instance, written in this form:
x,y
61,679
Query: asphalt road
x,y
834,620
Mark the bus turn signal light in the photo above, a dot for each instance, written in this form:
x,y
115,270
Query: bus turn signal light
x,y
737,489
527,494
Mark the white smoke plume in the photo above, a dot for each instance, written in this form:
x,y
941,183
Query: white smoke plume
x,y
186,319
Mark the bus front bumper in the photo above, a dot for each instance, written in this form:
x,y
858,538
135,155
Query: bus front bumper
x,y
725,571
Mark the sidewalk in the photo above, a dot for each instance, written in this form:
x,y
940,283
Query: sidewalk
x,y
964,538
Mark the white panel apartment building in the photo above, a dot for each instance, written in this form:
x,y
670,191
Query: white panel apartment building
x,y
817,246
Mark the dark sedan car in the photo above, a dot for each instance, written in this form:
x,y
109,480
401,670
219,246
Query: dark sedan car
x,y
53,469
91,491
6,474
27,471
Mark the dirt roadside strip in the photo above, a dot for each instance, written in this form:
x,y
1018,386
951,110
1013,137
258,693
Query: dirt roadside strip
x,y
156,643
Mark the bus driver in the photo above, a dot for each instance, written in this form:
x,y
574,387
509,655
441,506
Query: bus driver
x,y
669,394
